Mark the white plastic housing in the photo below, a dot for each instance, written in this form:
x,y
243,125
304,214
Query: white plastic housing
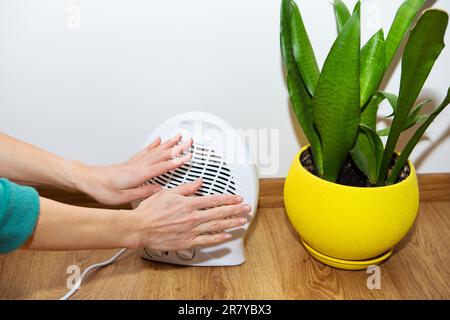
x,y
222,159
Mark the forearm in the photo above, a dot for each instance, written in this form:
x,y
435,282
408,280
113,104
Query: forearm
x,y
65,227
26,163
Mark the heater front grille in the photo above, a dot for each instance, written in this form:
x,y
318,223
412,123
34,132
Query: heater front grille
x,y
206,164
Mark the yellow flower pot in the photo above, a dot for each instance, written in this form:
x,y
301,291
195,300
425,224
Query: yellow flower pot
x,y
349,227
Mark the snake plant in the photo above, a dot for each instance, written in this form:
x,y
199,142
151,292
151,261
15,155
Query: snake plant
x,y
337,105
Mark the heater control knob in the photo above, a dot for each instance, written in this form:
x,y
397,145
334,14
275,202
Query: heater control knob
x,y
188,254
154,253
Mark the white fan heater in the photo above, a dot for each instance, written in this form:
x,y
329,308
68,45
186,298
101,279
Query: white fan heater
x,y
221,157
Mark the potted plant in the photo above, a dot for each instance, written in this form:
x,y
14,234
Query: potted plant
x,y
350,197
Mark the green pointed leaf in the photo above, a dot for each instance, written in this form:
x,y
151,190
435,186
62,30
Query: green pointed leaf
x,y
303,51
362,149
373,59
401,161
357,7
414,117
392,99
363,155
403,19
300,99
342,14
369,113
369,154
384,132
421,118
378,150
424,45
336,106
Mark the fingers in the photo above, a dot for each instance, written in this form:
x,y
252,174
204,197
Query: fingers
x,y
209,239
214,201
219,225
171,142
179,149
154,144
173,152
166,166
156,152
148,148
188,189
142,192
222,212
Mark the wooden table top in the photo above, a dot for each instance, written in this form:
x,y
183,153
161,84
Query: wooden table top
x,y
277,267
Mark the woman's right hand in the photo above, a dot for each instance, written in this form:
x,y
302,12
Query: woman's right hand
x,y
172,219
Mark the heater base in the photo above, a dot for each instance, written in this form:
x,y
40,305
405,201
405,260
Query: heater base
x,y
229,253
346,264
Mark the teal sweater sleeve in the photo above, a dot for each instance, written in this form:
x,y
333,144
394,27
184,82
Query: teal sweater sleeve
x,y
19,211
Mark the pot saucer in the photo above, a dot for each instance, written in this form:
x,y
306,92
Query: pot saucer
x,y
347,264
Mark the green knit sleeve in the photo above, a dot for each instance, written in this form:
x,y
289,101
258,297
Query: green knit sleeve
x,y
19,211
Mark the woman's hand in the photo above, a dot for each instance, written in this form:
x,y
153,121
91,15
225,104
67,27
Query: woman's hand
x,y
170,220
122,183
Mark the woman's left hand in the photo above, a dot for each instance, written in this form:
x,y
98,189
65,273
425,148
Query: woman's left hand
x,y
124,182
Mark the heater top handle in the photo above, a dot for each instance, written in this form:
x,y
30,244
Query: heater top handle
x,y
205,129
193,124
189,120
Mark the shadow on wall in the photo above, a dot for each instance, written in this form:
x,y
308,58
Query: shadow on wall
x,y
422,157
406,136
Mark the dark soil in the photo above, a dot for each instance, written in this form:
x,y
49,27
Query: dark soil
x,y
350,175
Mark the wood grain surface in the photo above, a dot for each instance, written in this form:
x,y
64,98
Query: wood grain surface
x,y
277,266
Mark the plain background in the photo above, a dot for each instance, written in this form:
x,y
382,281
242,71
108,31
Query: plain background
x,y
89,79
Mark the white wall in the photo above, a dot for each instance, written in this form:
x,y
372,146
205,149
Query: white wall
x,y
94,92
